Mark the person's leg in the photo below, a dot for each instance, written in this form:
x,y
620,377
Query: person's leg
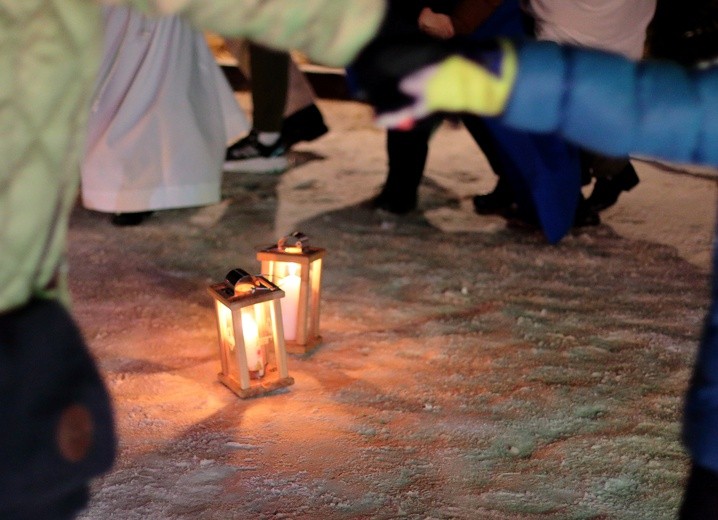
x,y
501,199
300,93
407,152
302,119
270,77
262,151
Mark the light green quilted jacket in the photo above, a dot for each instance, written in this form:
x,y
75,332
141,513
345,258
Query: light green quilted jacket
x,y
49,51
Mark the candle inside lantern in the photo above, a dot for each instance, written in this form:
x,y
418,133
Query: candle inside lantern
x,y
255,355
290,284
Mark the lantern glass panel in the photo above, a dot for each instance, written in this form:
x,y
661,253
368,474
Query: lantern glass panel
x,y
258,338
252,345
228,342
298,273
315,281
284,269
288,276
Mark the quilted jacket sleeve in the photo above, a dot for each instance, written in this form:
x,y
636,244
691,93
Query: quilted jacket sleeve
x,y
329,31
615,106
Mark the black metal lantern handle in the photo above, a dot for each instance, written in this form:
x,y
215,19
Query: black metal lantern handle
x,y
296,239
245,282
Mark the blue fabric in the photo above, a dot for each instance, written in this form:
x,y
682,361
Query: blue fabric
x,y
700,425
45,371
537,99
665,94
614,106
707,151
504,21
544,172
544,169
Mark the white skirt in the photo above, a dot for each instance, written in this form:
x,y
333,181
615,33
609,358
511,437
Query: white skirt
x,y
162,116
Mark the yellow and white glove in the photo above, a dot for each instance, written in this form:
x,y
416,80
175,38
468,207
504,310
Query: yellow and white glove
x,y
479,83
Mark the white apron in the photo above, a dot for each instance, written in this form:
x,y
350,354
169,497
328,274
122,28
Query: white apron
x,y
162,116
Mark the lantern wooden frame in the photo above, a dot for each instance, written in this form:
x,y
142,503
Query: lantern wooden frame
x,y
275,266
262,297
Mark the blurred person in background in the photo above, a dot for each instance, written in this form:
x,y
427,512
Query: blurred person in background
x,y
160,120
283,109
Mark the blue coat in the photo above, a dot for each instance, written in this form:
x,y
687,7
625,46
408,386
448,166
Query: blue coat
x,y
615,106
543,168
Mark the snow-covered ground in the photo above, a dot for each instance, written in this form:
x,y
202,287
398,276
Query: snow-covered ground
x,y
468,370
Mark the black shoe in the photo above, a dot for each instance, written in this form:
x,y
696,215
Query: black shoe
x,y
306,124
497,202
398,205
585,215
130,219
248,155
607,190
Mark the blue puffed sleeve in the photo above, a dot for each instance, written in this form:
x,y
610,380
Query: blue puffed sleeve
x,y
615,106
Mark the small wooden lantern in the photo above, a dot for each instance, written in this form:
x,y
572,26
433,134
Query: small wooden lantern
x,y
249,324
296,268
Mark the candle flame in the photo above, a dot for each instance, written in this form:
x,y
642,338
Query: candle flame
x,y
292,269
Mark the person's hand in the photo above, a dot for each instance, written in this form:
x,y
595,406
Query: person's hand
x,y
479,82
436,24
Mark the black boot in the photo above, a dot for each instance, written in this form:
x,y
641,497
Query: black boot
x,y
306,124
498,202
607,189
399,203
407,152
585,215
130,219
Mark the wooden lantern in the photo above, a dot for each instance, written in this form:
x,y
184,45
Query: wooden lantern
x,y
296,268
251,341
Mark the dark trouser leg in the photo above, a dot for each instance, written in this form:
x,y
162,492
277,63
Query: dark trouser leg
x,y
501,198
269,87
407,152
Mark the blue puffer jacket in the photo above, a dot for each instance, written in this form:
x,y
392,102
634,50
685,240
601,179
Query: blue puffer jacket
x,y
615,106
657,109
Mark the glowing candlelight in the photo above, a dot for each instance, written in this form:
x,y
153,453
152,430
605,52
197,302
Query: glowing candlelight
x,y
296,267
247,310
255,356
290,284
